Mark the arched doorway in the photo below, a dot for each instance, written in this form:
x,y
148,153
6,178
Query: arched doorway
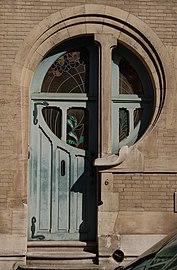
x,y
63,144
108,27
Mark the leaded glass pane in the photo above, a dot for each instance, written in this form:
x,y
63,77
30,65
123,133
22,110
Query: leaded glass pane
x,y
137,116
77,130
129,81
132,95
68,74
123,124
52,117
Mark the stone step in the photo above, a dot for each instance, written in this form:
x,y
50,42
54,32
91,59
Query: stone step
x,y
61,243
52,254
61,250
61,267
64,254
60,246
62,259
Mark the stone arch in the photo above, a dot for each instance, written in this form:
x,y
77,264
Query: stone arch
x,y
81,20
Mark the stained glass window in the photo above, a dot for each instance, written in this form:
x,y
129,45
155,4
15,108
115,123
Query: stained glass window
x,y
129,81
68,74
132,97
52,117
137,116
123,124
77,119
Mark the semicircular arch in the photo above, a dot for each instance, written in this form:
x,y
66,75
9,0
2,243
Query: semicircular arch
x,y
85,20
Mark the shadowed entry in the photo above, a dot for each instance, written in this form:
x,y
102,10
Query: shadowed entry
x,y
63,144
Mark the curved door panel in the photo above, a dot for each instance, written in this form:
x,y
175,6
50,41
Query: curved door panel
x,y
63,188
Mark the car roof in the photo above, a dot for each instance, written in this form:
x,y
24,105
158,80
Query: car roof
x,y
155,248
161,243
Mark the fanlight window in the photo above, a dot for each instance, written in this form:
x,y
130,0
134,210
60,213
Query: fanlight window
x,y
129,81
67,74
67,78
132,98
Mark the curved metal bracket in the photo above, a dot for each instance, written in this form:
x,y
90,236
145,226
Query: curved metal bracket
x,y
33,227
35,111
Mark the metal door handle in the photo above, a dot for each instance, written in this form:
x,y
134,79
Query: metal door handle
x,y
62,168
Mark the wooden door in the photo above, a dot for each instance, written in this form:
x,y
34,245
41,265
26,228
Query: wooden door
x,y
63,144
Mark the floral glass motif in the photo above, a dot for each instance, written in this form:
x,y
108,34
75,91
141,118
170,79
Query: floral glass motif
x,y
123,123
52,117
129,80
68,74
76,127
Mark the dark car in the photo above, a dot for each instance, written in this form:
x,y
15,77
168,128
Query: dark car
x,y
161,256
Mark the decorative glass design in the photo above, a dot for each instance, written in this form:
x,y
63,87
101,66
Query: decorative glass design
x,y
123,124
129,81
68,74
137,116
77,127
52,116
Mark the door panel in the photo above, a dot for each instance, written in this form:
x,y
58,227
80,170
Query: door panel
x,y
44,182
66,206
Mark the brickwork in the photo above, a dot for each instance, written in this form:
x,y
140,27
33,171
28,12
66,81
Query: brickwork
x,y
145,192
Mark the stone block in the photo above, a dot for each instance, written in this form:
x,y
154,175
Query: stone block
x,y
108,244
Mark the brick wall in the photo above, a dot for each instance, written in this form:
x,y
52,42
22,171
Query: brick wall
x,y
19,17
145,192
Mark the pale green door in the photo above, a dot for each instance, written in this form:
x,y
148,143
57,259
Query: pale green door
x,y
63,144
